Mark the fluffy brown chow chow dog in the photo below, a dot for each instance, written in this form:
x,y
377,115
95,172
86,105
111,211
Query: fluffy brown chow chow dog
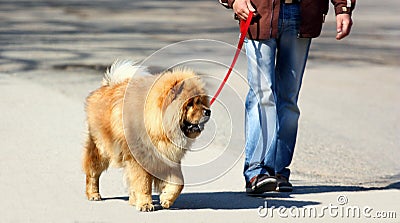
x,y
143,123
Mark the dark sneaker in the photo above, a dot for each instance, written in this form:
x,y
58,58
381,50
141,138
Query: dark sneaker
x,y
260,184
283,184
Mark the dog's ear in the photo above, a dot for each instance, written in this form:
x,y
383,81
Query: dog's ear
x,y
177,89
173,93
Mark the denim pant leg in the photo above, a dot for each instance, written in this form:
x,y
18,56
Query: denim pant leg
x,y
292,53
260,119
271,104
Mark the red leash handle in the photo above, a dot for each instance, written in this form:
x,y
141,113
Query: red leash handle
x,y
244,26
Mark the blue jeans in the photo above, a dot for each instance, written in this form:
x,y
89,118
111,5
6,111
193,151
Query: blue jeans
x,y
275,72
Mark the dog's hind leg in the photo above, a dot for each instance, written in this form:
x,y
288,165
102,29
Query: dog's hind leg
x,y
93,165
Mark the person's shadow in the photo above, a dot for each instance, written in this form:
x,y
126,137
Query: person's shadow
x,y
240,200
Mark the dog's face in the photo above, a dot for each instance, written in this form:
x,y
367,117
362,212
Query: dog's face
x,y
196,112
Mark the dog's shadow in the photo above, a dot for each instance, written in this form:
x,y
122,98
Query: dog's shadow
x,y
240,200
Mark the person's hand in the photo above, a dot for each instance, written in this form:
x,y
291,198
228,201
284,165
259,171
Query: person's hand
x,y
343,25
242,8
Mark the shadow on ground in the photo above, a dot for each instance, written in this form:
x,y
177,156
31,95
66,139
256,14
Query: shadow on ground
x,y
239,200
223,201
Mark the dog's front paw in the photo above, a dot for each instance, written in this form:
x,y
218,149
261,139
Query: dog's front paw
x,y
94,197
146,207
166,204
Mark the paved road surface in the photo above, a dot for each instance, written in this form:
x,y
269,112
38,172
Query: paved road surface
x,y
53,53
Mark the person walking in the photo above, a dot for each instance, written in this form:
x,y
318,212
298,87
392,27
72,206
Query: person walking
x,y
277,46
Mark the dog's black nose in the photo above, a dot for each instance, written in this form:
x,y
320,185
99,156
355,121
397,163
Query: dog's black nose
x,y
207,112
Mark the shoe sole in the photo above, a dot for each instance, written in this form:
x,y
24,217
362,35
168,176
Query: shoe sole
x,y
266,185
284,189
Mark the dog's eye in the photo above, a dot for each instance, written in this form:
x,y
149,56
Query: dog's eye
x,y
190,104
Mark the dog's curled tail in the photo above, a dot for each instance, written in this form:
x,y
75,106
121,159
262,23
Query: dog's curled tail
x,y
122,70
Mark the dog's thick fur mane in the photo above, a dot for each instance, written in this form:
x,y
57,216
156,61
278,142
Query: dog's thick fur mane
x,y
170,85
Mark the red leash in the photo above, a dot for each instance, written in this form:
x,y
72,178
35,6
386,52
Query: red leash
x,y
244,26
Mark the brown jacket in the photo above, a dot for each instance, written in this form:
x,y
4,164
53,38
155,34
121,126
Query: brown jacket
x,y
313,12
